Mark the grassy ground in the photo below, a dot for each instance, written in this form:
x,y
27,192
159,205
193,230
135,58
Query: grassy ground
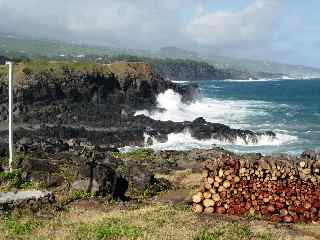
x,y
166,216
24,70
92,220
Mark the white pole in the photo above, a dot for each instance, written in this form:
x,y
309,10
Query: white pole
x,y
10,115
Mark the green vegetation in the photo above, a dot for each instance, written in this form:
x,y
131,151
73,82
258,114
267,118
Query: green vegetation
x,y
3,71
108,229
206,235
254,217
14,179
24,47
138,154
152,221
19,228
56,69
226,231
177,69
155,186
264,236
67,172
75,195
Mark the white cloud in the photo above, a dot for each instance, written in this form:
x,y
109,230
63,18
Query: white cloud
x,y
126,23
224,28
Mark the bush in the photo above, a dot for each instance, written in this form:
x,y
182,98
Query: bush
x,y
14,179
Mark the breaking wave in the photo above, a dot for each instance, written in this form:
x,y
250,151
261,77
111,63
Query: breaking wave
x,y
234,113
229,112
252,80
184,141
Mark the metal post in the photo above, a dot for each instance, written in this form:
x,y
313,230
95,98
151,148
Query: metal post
x,y
10,115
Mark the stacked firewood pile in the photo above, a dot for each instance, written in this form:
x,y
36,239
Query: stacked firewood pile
x,y
282,190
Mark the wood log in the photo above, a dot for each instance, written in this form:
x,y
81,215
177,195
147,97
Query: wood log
x,y
197,198
209,210
220,210
208,203
207,195
226,184
197,208
277,188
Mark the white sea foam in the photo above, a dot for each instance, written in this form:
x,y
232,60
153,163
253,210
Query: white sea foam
x,y
288,78
233,113
184,141
182,82
252,80
237,114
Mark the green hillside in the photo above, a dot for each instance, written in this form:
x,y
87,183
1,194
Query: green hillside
x,y
26,47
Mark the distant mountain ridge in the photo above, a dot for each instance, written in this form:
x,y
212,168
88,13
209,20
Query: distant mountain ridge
x,y
253,66
21,46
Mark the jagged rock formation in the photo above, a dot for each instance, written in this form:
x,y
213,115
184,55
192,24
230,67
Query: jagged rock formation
x,y
119,86
98,101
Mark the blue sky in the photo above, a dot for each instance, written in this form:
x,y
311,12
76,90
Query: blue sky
x,y
278,30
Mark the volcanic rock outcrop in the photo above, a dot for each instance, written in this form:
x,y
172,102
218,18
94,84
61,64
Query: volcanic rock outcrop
x,y
98,102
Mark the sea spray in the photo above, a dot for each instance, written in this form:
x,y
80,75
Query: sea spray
x,y
184,141
232,113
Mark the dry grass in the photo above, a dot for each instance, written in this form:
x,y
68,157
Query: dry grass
x,y
166,217
86,220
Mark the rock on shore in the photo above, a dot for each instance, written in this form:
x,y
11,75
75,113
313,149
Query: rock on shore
x,y
69,118
98,102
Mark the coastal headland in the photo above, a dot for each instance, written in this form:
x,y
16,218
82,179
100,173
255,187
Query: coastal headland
x,y
72,118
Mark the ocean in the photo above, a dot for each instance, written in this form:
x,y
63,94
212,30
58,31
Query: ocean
x,y
290,108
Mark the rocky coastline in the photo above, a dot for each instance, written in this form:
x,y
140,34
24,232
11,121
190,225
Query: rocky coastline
x,y
71,120
98,103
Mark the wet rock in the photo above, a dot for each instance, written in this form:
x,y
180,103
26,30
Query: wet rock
x,y
310,154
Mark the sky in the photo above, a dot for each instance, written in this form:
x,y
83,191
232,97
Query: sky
x,y
275,30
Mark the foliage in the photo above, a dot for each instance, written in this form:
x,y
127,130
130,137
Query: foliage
x,y
14,179
57,69
142,154
155,186
67,172
264,236
108,229
206,235
254,217
80,195
16,229
75,195
226,231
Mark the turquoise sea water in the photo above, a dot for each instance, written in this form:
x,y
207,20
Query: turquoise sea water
x,y
290,107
